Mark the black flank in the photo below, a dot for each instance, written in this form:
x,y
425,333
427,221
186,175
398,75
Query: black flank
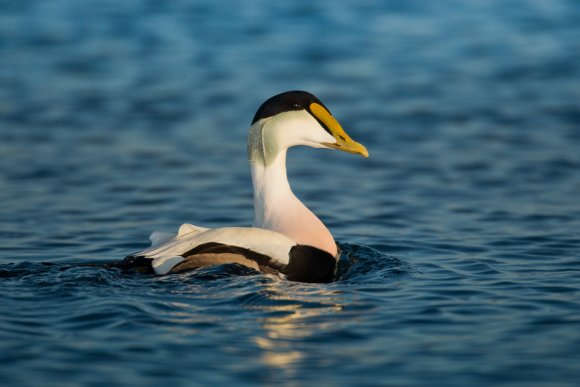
x,y
137,263
309,264
219,248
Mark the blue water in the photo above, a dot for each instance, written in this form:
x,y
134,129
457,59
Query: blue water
x,y
460,234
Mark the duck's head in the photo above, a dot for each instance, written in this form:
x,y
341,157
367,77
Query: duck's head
x,y
296,118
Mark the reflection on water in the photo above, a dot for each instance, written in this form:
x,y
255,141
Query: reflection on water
x,y
293,320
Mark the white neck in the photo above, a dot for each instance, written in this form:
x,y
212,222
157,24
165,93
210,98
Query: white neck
x,y
276,207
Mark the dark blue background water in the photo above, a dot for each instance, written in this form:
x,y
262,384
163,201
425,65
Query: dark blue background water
x,y
460,235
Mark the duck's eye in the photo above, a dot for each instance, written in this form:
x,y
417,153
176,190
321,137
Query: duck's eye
x,y
296,106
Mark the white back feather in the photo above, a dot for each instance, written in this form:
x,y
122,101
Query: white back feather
x,y
266,242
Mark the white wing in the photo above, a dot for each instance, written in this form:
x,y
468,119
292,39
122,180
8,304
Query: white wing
x,y
270,243
159,237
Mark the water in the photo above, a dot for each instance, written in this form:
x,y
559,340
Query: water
x,y
460,234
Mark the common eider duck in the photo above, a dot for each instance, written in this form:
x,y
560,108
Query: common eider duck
x,y
286,238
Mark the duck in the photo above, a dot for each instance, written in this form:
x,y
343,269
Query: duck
x,y
286,239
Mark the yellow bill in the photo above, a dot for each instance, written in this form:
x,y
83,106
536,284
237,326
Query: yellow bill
x,y
343,140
